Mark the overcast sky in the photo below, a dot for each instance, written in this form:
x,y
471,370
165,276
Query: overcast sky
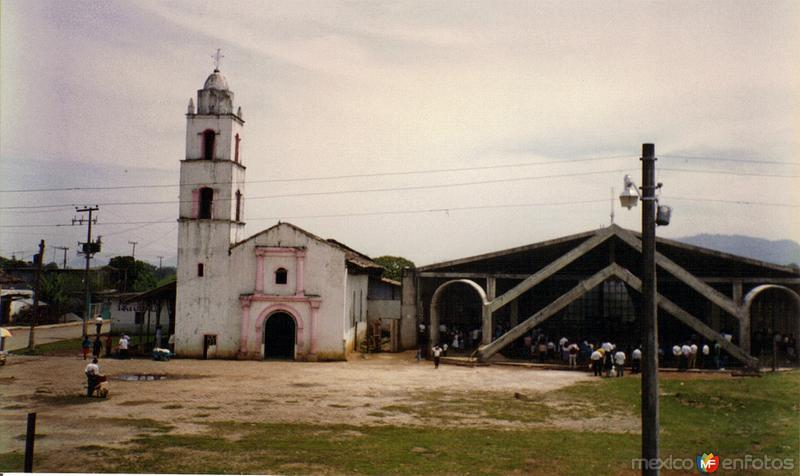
x,y
549,102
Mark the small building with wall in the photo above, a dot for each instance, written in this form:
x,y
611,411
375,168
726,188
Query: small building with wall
x,y
587,286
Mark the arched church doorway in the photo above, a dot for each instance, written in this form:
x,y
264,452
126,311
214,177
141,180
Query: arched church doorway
x,y
279,336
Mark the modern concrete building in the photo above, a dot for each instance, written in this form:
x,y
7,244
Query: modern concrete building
x,y
586,286
282,292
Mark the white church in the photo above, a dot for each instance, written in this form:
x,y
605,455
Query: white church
x,y
281,293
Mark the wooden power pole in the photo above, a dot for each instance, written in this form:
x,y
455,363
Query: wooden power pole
x,y
38,260
89,249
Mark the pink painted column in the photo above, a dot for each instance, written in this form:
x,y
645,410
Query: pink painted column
x,y
245,326
313,327
300,282
260,273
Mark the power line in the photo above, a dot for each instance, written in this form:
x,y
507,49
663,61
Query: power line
x,y
329,177
727,172
724,159
431,210
349,191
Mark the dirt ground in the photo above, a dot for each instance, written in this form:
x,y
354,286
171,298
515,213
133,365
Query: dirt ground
x,y
351,392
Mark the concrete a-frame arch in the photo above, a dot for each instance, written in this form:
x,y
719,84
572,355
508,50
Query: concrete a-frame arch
x,y
437,296
753,294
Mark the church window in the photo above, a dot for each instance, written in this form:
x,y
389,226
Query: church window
x,y
238,206
281,276
236,150
206,201
200,270
209,138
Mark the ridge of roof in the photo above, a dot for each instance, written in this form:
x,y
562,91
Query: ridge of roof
x,y
355,257
614,230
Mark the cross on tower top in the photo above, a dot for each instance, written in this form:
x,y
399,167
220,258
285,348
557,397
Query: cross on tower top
x,y
217,59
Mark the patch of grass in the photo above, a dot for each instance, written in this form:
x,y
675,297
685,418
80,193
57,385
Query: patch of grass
x,y
12,462
14,407
172,406
57,348
22,436
201,415
214,407
378,414
92,448
337,405
66,399
146,424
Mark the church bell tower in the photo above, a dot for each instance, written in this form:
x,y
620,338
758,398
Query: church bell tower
x,y
211,212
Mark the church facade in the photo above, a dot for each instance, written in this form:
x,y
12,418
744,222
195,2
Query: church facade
x,y
281,293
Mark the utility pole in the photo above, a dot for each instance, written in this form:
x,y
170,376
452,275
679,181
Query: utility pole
x,y
38,259
133,252
89,248
64,249
160,258
650,449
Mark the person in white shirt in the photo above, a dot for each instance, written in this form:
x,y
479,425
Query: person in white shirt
x,y
597,363
437,355
706,356
619,362
92,371
636,360
562,347
676,352
123,347
693,356
686,351
573,350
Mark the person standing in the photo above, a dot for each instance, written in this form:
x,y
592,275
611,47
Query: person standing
x,y
636,360
686,351
676,353
92,371
573,350
693,355
86,347
97,347
109,344
597,358
437,355
619,362
123,347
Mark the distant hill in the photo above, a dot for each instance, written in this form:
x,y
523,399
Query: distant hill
x,y
782,252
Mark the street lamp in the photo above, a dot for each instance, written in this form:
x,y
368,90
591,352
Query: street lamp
x,y
652,215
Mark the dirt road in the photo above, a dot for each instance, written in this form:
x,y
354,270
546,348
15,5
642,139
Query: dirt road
x,y
192,391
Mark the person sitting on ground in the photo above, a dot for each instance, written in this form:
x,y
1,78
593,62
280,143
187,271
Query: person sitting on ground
x,y
92,371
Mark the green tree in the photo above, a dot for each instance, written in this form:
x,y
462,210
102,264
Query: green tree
x,y
393,266
127,274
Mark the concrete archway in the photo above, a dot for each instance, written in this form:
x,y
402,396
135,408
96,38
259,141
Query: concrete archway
x,y
754,293
437,296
